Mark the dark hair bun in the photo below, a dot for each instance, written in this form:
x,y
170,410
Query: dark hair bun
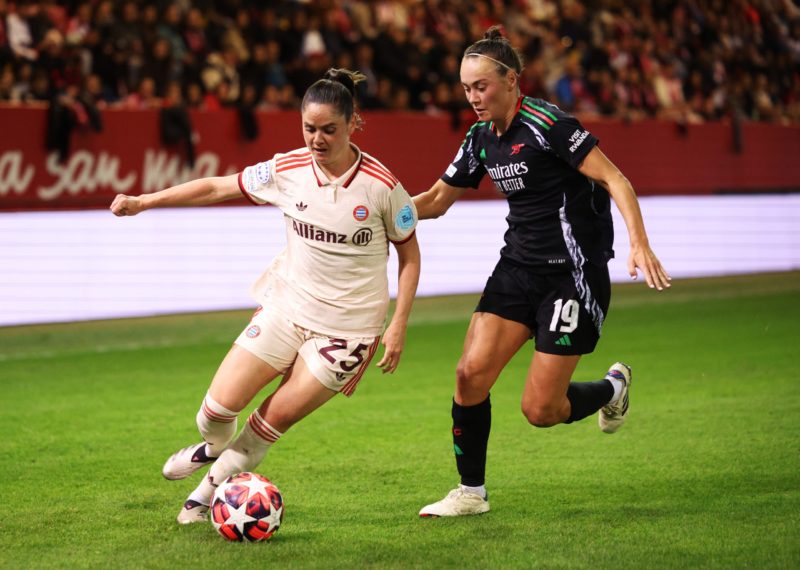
x,y
494,33
343,77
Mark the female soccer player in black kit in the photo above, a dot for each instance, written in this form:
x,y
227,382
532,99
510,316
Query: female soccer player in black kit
x,y
551,282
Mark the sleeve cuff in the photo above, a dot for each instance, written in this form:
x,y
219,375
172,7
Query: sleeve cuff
x,y
401,242
245,192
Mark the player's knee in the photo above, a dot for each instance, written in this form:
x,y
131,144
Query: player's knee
x,y
216,424
542,415
471,376
281,418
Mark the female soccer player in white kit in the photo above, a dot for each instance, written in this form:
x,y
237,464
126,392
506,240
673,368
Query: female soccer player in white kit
x,y
325,298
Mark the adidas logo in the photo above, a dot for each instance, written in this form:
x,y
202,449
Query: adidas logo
x,y
340,376
564,341
300,206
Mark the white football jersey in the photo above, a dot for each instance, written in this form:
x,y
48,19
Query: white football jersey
x,y
332,277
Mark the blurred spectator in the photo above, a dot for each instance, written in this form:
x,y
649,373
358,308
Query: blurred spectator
x,y
160,65
245,108
144,97
176,126
79,25
274,73
368,89
194,96
18,31
7,84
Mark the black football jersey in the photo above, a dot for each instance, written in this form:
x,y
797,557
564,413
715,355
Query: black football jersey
x,y
558,218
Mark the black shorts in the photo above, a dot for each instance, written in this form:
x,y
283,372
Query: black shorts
x,y
563,310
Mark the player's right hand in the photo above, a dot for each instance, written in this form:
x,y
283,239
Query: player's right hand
x,y
126,205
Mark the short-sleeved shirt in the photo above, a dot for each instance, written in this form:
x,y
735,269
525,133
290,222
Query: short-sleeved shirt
x,y
558,218
332,278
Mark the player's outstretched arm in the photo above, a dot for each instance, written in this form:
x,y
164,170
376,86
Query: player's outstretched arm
x,y
436,201
200,192
394,337
597,167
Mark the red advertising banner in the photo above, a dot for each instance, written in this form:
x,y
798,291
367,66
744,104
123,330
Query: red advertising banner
x,y
128,156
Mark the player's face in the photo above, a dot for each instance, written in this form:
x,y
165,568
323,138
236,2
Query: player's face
x,y
488,93
327,134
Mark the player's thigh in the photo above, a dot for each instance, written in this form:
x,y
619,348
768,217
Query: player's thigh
x,y
490,343
501,324
548,378
239,378
265,349
299,394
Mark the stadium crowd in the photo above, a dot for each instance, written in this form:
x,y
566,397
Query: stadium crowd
x,y
684,60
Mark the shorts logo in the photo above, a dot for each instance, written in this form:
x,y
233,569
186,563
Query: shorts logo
x,y
360,213
262,172
362,237
340,376
253,331
405,218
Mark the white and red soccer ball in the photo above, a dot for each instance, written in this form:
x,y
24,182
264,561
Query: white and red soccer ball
x,y
247,506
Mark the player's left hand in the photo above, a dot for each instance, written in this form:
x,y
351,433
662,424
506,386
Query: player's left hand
x,y
393,340
643,258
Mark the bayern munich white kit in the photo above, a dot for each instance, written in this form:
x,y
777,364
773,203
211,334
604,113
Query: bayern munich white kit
x,y
328,291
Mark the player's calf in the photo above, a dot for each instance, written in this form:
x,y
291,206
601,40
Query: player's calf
x,y
217,425
244,454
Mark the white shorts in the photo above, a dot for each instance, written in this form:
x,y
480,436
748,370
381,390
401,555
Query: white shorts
x,y
338,363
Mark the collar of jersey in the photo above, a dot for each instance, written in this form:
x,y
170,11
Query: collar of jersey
x,y
345,179
516,114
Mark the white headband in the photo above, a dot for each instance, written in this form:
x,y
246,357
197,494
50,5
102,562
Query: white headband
x,y
490,59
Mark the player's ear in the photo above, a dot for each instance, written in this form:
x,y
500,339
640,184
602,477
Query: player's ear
x,y
512,80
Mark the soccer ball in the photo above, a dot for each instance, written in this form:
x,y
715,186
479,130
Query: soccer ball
x,y
247,506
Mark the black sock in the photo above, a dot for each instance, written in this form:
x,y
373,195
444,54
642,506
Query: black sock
x,y
471,425
588,397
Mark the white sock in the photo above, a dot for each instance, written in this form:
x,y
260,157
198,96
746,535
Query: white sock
x,y
217,425
480,490
618,385
244,454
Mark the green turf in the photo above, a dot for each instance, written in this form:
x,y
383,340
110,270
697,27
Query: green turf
x,y
705,474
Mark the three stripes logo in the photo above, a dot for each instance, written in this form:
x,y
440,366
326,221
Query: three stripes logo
x,y
564,341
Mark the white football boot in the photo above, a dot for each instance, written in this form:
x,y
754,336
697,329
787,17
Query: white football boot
x,y
458,502
612,416
186,461
193,512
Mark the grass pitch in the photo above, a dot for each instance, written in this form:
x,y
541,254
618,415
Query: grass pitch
x,y
705,474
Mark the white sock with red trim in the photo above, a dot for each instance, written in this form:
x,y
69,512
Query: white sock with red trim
x,y
244,454
217,425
